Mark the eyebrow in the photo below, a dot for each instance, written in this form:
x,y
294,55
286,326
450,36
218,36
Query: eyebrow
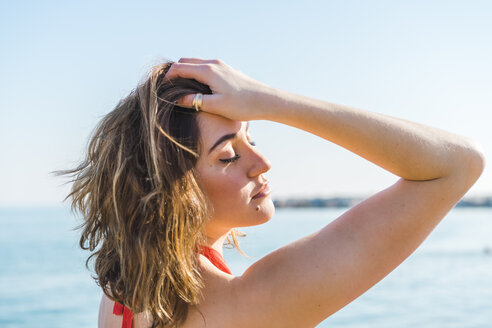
x,y
224,138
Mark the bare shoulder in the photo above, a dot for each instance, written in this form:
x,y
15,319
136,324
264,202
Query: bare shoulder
x,y
303,283
216,307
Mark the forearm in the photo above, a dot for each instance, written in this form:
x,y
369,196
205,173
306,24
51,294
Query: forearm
x,y
410,150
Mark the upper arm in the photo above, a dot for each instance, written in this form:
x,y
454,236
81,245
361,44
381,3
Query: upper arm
x,y
306,281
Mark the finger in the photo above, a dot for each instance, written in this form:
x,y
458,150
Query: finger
x,y
188,71
194,60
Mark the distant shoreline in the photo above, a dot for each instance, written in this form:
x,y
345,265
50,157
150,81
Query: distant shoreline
x,y
286,202
338,202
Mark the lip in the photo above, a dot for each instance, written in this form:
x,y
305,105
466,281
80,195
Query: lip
x,y
265,190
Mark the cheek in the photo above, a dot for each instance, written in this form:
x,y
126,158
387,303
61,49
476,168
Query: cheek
x,y
222,188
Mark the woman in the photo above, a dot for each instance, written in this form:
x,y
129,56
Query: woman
x,y
170,174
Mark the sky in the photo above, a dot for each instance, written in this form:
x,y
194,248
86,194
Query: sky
x,y
65,64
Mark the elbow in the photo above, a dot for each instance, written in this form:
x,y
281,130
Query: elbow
x,y
479,158
475,161
468,165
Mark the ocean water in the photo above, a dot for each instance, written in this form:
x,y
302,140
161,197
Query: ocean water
x,y
446,282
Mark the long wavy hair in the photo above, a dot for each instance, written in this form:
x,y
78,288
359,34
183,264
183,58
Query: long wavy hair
x,y
142,205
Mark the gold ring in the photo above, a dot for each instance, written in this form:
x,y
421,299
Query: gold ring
x,y
197,101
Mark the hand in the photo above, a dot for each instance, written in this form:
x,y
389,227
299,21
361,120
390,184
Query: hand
x,y
234,95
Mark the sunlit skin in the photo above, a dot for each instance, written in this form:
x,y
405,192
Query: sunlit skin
x,y
308,280
231,186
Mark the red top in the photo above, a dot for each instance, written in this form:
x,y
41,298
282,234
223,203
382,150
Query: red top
x,y
206,251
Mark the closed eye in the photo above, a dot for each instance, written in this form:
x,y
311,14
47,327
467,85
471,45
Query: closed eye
x,y
230,160
236,157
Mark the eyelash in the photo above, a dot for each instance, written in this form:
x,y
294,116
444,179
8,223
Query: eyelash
x,y
236,157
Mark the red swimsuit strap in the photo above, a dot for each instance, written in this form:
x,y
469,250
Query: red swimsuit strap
x,y
119,309
214,256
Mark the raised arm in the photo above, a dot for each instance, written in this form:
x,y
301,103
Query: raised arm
x,y
302,283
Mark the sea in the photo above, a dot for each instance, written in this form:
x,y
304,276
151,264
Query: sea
x,y
446,282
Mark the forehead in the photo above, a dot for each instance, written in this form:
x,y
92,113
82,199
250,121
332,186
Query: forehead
x,y
212,127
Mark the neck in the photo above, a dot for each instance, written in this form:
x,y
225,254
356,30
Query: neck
x,y
217,242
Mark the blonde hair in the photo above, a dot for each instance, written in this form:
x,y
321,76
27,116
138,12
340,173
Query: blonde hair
x,y
142,206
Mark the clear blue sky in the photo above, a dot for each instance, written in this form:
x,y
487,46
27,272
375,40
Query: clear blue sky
x,y
65,64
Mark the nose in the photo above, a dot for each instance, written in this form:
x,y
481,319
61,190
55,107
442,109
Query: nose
x,y
261,164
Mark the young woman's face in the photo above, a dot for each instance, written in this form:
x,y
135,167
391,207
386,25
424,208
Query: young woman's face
x,y
230,186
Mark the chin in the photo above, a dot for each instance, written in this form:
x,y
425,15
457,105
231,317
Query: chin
x,y
264,211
